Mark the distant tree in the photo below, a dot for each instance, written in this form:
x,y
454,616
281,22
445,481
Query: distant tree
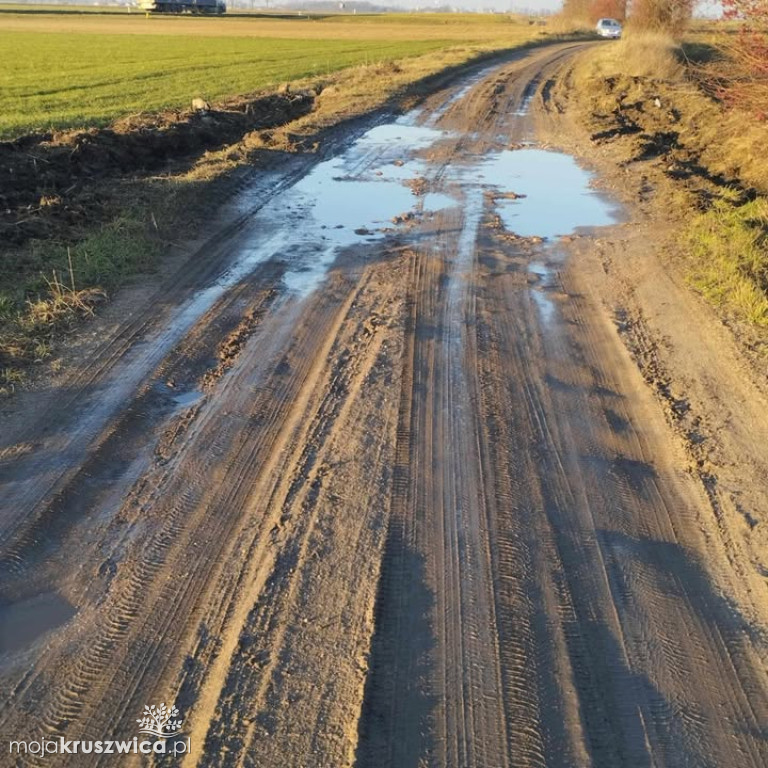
x,y
670,16
608,9
577,10
589,11
745,81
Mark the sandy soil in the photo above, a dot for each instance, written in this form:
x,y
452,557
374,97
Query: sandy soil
x,y
404,498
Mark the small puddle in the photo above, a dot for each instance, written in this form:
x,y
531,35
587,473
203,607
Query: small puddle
x,y
28,620
544,281
537,193
355,198
187,399
549,197
352,197
555,197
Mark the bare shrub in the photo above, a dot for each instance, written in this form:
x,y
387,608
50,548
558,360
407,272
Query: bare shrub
x,y
671,16
744,78
608,9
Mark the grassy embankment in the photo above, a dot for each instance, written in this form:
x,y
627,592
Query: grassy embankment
x,y
708,163
72,71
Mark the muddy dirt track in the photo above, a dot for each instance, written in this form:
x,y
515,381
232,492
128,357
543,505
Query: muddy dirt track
x,y
370,480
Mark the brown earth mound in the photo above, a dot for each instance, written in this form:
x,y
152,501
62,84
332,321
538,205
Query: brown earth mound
x,y
42,174
658,123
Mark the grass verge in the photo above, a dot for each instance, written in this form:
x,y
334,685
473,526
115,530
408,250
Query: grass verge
x,y
56,285
727,251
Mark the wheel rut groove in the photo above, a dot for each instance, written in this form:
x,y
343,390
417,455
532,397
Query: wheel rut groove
x,y
396,517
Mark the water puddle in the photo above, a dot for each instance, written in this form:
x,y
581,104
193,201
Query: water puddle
x,y
374,187
355,198
553,194
544,194
398,136
355,195
537,194
187,399
26,621
544,281
437,201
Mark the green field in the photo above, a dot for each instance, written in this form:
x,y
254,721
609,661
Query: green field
x,y
66,80
70,70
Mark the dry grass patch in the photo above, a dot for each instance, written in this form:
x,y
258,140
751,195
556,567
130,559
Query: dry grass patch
x,y
646,54
645,66
642,54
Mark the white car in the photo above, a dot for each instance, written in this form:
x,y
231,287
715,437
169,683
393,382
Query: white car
x,y
609,28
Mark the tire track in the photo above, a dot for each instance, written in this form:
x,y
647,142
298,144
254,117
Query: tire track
x,y
409,523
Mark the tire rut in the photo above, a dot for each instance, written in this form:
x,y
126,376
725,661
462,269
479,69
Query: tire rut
x,y
409,521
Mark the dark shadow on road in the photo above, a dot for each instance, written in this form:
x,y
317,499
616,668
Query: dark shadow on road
x,y
394,726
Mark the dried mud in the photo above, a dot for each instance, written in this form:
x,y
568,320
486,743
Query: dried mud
x,y
48,178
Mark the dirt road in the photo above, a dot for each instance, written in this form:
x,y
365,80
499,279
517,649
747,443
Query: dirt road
x,y
370,479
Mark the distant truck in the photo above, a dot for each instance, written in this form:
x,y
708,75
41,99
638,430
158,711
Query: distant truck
x,y
201,7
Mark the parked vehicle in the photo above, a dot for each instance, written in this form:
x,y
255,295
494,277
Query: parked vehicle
x,y
609,28
208,7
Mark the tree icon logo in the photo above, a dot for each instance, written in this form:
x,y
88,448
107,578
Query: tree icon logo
x,y
160,721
